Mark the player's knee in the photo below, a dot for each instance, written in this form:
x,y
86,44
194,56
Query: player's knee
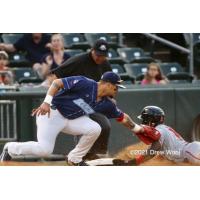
x,y
103,122
95,130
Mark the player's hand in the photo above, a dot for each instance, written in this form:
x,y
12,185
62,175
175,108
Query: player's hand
x,y
42,110
119,162
49,46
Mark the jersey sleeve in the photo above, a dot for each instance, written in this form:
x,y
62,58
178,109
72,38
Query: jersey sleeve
x,y
67,68
106,67
73,82
115,112
149,135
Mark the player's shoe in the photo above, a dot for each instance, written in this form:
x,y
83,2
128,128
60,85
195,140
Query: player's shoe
x,y
82,163
5,155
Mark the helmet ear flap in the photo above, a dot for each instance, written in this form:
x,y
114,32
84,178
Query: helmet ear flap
x,y
162,118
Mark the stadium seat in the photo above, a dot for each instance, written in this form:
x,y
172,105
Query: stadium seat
x,y
25,75
11,38
170,68
180,77
75,41
196,38
137,70
127,79
18,59
118,69
196,56
74,52
134,55
175,73
93,37
114,57
1,37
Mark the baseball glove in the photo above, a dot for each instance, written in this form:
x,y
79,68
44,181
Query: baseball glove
x,y
120,162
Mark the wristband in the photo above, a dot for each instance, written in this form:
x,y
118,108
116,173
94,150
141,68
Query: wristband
x,y
136,128
120,119
48,99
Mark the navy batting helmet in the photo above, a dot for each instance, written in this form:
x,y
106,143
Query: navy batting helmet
x,y
152,115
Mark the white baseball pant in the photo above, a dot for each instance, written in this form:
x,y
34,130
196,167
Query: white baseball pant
x,y
49,128
192,152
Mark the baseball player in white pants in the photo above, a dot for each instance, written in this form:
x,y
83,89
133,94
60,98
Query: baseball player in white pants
x,y
48,130
66,107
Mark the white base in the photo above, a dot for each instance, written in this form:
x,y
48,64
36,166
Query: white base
x,y
101,161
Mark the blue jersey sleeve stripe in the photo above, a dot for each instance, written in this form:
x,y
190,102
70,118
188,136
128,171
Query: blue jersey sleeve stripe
x,y
66,85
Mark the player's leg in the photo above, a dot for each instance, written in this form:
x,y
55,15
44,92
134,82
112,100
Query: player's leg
x,y
192,153
101,144
47,131
89,130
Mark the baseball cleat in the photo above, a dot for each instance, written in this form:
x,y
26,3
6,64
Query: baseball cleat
x,y
82,163
5,155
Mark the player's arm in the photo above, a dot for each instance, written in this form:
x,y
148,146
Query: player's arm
x,y
7,47
139,159
126,120
66,69
56,85
44,108
146,134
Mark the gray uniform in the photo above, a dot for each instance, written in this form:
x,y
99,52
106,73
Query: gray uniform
x,y
175,148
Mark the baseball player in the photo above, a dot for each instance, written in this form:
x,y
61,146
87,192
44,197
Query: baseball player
x,y
163,140
66,107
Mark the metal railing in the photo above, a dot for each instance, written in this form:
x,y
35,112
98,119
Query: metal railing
x,y
8,124
189,50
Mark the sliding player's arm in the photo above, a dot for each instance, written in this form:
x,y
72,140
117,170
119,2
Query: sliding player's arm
x,y
139,159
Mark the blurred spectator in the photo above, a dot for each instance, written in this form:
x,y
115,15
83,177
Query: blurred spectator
x,y
154,75
53,59
36,45
6,76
